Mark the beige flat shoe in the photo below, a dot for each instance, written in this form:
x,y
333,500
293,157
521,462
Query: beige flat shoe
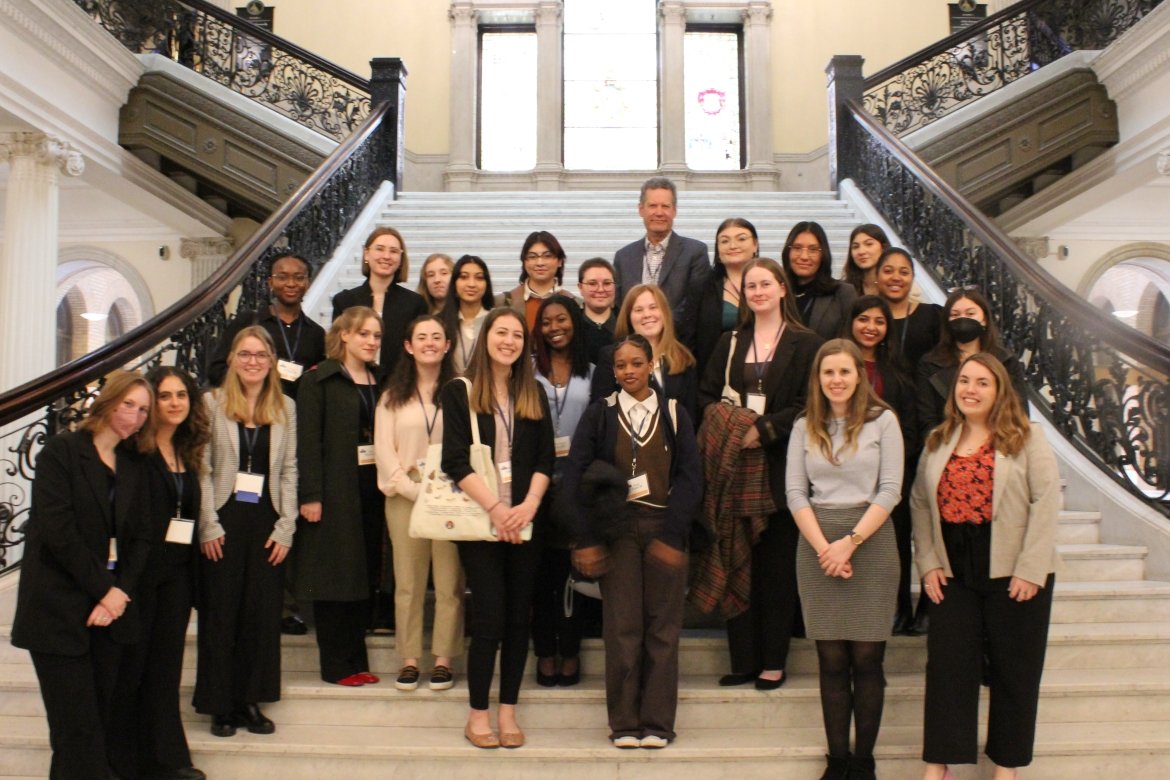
x,y
483,741
511,739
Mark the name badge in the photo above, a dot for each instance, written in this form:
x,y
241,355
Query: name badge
x,y
289,371
639,487
506,472
562,444
249,487
365,454
112,558
181,530
757,402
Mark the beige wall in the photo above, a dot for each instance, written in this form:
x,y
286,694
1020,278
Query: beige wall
x,y
805,35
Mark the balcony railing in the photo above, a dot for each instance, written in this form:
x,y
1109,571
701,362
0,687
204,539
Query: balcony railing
x,y
242,57
988,56
1101,383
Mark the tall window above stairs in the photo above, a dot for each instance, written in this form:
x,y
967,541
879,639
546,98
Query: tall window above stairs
x,y
712,64
507,98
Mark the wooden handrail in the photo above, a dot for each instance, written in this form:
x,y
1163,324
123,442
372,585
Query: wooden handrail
x,y
1122,338
45,389
259,33
950,42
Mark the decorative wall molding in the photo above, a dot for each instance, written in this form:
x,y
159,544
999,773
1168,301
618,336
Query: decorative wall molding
x,y
45,148
1134,58
1034,247
1131,251
77,256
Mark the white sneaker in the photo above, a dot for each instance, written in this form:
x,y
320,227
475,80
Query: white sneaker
x,y
652,741
626,742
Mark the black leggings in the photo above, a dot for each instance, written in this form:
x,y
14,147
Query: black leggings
x,y
502,578
852,688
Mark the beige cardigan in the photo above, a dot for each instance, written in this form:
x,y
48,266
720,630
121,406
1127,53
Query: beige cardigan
x,y
1025,503
222,462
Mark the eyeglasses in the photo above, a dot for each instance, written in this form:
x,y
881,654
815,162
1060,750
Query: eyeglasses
x,y
593,285
253,357
284,278
811,251
545,255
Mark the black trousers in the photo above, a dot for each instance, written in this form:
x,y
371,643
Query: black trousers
x,y
502,578
341,637
552,633
1015,635
903,533
146,719
759,638
239,615
77,692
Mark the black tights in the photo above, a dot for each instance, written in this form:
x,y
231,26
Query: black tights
x,y
852,687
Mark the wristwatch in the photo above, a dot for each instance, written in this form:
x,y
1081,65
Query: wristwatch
x,y
856,538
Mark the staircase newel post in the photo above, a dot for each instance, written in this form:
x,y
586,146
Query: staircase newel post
x,y
845,83
388,84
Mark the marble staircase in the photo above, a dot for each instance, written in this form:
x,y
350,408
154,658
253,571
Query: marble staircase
x,y
1104,711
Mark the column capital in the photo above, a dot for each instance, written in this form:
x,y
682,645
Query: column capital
x,y
202,248
45,149
548,11
462,13
673,11
757,12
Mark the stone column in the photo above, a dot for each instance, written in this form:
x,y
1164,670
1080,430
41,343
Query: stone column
x,y
549,96
757,34
845,83
206,256
461,168
28,263
671,121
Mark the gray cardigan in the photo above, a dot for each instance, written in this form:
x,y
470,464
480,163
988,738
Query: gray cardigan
x,y
221,463
1025,501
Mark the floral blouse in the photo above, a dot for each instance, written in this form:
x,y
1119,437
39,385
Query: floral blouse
x,y
965,489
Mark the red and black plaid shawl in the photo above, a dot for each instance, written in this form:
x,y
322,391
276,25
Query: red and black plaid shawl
x,y
736,505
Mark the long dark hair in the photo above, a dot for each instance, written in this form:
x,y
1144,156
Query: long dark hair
x,y
403,380
192,435
853,275
578,348
891,364
946,352
823,283
449,314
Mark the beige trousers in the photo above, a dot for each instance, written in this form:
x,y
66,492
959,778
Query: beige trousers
x,y
413,558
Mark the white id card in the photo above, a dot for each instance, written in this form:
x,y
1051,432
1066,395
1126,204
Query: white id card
x,y
289,371
180,531
639,487
249,487
757,402
112,558
506,472
562,444
365,454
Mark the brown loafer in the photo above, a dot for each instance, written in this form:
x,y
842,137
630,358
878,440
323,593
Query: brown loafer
x,y
484,741
512,739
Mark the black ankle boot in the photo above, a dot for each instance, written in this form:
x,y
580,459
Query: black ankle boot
x,y
862,768
837,767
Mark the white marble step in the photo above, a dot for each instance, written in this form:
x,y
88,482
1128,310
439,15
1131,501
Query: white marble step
x,y
1102,562
1066,751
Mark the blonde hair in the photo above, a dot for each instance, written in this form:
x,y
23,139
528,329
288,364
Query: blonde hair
x,y
522,387
864,406
433,306
347,322
678,357
270,405
115,388
788,311
1009,425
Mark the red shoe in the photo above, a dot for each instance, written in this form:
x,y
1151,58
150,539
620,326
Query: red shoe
x,y
354,680
369,679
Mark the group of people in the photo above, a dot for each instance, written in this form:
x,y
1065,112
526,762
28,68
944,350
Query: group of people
x,y
784,443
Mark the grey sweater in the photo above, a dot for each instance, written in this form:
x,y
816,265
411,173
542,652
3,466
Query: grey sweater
x,y
869,474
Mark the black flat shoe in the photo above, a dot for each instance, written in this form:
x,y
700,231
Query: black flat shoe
x,y
568,680
182,773
736,678
902,624
223,726
293,626
546,680
770,685
921,625
250,715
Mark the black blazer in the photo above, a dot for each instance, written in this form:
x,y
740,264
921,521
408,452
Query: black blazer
x,y
685,269
709,318
532,440
785,388
681,387
63,572
167,558
399,308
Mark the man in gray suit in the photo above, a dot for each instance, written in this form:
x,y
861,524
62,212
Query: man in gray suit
x,y
677,264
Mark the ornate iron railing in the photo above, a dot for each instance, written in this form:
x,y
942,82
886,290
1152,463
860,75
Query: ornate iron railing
x,y
1003,48
1102,384
242,57
311,223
